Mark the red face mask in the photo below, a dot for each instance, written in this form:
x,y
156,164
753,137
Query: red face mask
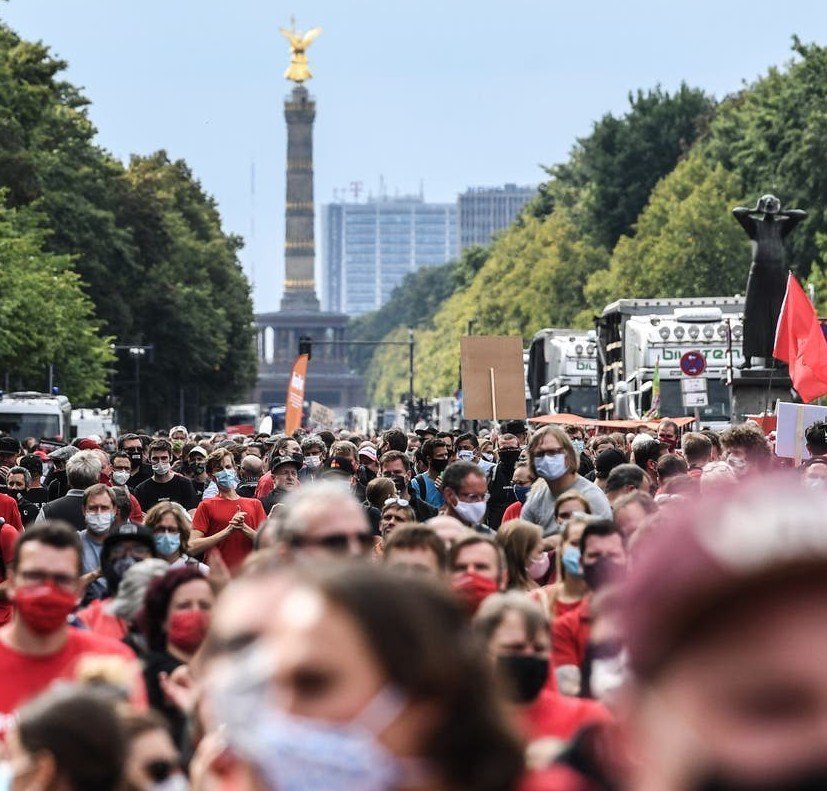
x,y
44,608
473,589
187,629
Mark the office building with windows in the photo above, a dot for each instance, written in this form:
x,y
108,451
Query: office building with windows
x,y
368,248
483,211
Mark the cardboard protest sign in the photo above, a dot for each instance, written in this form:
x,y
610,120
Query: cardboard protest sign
x,y
321,415
493,378
793,421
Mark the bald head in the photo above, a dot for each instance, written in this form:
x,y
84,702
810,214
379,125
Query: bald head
x,y
450,530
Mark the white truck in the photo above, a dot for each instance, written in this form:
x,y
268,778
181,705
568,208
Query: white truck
x,y
637,336
562,372
86,422
38,415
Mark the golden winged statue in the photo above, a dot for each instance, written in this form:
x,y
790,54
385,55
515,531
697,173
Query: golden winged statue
x,y
299,70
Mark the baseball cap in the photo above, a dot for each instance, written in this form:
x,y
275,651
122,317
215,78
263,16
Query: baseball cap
x,y
63,454
368,451
198,450
606,461
429,429
728,548
9,444
280,461
88,444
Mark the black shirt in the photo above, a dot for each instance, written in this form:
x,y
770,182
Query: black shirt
x,y
177,490
136,479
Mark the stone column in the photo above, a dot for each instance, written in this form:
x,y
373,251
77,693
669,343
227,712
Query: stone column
x,y
299,246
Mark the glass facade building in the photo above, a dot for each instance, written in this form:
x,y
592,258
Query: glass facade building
x,y
485,210
368,248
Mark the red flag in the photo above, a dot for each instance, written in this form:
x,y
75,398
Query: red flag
x,y
800,343
295,395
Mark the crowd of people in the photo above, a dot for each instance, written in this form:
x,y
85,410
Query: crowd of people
x,y
540,608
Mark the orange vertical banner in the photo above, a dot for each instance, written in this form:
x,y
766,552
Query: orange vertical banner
x,y
295,395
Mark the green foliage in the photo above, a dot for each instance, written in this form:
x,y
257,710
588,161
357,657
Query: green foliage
x,y
686,242
146,241
612,171
773,135
44,315
533,277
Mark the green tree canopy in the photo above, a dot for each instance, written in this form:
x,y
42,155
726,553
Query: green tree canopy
x,y
686,242
45,318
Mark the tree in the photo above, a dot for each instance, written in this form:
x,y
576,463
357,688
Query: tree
x,y
686,243
45,318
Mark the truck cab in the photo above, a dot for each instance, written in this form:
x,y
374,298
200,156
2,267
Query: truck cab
x,y
33,414
637,338
562,372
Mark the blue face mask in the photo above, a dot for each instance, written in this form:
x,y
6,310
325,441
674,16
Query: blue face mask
x,y
551,467
579,445
521,492
571,561
167,543
226,479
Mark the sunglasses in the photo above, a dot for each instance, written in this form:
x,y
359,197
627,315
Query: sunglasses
x,y
397,501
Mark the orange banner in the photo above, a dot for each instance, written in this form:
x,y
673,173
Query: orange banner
x,y
295,395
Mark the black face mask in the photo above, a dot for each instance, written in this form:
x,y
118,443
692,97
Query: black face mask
x,y
400,482
814,779
136,458
438,465
509,456
525,675
198,468
602,572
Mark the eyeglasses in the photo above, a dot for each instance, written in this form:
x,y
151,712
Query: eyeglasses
x,y
397,501
42,577
538,454
474,498
337,543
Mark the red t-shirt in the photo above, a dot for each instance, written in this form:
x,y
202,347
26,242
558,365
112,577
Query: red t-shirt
x,y
560,716
213,515
512,512
265,485
570,636
10,512
24,677
97,618
8,538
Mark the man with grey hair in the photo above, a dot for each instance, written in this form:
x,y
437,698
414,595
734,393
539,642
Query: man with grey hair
x,y
82,471
321,520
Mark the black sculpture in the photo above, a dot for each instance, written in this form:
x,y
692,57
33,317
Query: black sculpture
x,y
767,225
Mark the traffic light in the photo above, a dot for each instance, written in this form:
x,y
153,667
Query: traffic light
x,y
305,345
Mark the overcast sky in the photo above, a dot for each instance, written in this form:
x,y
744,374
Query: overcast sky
x,y
451,94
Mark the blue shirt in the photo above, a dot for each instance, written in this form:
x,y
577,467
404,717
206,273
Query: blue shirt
x,y
432,495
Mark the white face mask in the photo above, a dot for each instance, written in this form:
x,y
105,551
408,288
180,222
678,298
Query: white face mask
x,y
551,467
120,477
160,469
312,462
99,523
465,455
470,513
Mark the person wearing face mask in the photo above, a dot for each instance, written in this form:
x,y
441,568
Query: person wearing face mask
x,y
669,435
314,453
226,522
374,720
396,465
171,526
165,485
500,485
152,761
477,567
466,495
17,484
522,480
134,446
746,449
196,470
99,508
603,559
176,617
553,458
526,562
435,454
567,593
467,448
38,646
516,635
578,439
815,473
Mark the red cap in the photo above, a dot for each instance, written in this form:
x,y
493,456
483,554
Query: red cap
x,y
689,569
88,444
